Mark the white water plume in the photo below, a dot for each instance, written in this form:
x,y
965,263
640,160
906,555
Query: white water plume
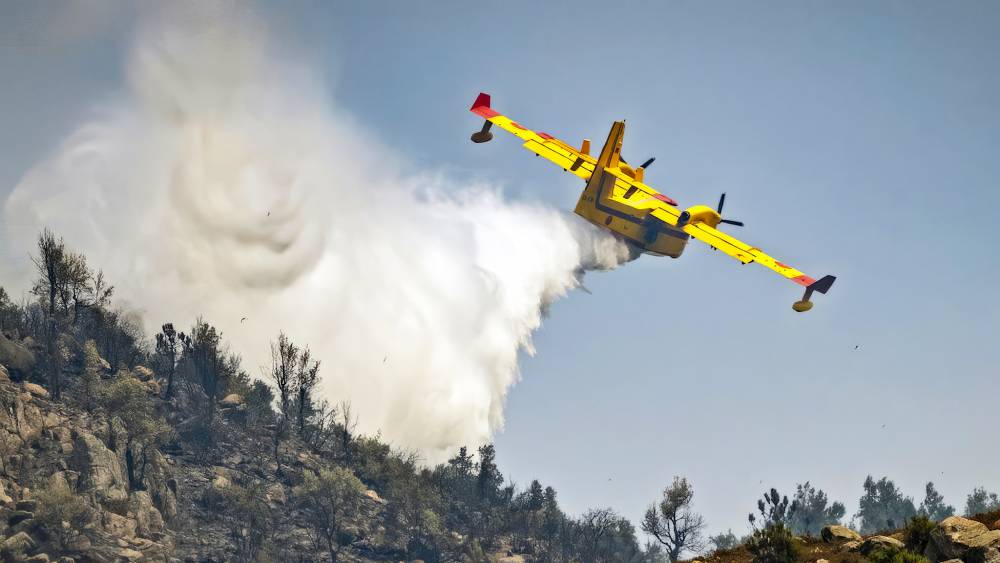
x,y
223,183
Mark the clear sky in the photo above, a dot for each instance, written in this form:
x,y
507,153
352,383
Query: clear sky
x,y
859,139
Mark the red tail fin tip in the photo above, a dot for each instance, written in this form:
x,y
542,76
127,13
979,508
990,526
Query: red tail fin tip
x,y
483,100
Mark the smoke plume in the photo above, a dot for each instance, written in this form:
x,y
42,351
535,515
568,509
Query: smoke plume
x,y
222,183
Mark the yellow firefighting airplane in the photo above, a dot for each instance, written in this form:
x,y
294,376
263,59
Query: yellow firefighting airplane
x,y
616,198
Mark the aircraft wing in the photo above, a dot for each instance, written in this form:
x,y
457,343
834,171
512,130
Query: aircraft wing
x,y
577,161
746,254
542,144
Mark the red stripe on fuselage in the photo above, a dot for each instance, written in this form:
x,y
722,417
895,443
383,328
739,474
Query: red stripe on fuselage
x,y
804,280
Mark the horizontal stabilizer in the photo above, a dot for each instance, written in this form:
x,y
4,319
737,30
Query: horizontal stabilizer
x,y
823,284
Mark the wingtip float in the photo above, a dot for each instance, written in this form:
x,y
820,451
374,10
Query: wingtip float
x,y
616,198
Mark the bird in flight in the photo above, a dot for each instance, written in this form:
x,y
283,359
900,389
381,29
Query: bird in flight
x,y
243,319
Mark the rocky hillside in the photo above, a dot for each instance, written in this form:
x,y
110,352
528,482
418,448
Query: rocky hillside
x,y
953,540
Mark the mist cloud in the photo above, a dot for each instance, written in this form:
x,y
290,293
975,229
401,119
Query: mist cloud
x,y
223,182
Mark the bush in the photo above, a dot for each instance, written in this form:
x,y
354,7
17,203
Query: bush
x,y
894,555
773,543
58,504
918,533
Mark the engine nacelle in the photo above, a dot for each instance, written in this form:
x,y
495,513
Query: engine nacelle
x,y
699,214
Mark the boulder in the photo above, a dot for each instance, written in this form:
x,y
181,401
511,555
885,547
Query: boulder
x,y
878,542
5,499
29,505
953,537
276,494
851,546
17,357
117,525
143,373
101,472
39,558
837,534
4,374
147,518
19,543
161,484
374,496
36,389
231,400
28,419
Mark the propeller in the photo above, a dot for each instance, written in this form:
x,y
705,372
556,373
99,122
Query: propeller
x,y
644,164
722,202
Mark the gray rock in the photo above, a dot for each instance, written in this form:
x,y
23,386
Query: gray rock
x,y
20,542
953,537
161,485
837,534
17,357
148,519
877,542
36,389
101,472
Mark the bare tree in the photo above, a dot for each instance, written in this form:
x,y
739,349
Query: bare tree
x,y
673,523
169,348
347,424
594,525
306,378
50,266
283,356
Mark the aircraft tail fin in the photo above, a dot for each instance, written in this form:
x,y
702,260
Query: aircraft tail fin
x,y
611,153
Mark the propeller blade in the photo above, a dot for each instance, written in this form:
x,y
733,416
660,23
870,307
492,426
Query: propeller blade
x,y
722,201
731,222
648,162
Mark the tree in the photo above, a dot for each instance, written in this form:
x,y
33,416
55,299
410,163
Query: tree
x,y
883,506
127,399
724,541
250,520
933,506
332,501
772,540
10,314
594,525
980,501
284,356
50,264
489,478
210,367
536,496
673,523
169,348
811,512
306,378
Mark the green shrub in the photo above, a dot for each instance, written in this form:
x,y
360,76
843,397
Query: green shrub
x,y
773,543
918,533
894,555
58,504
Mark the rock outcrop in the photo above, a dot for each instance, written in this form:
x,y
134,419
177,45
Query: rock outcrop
x,y
837,534
961,538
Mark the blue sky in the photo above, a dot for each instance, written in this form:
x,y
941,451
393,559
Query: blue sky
x,y
853,138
